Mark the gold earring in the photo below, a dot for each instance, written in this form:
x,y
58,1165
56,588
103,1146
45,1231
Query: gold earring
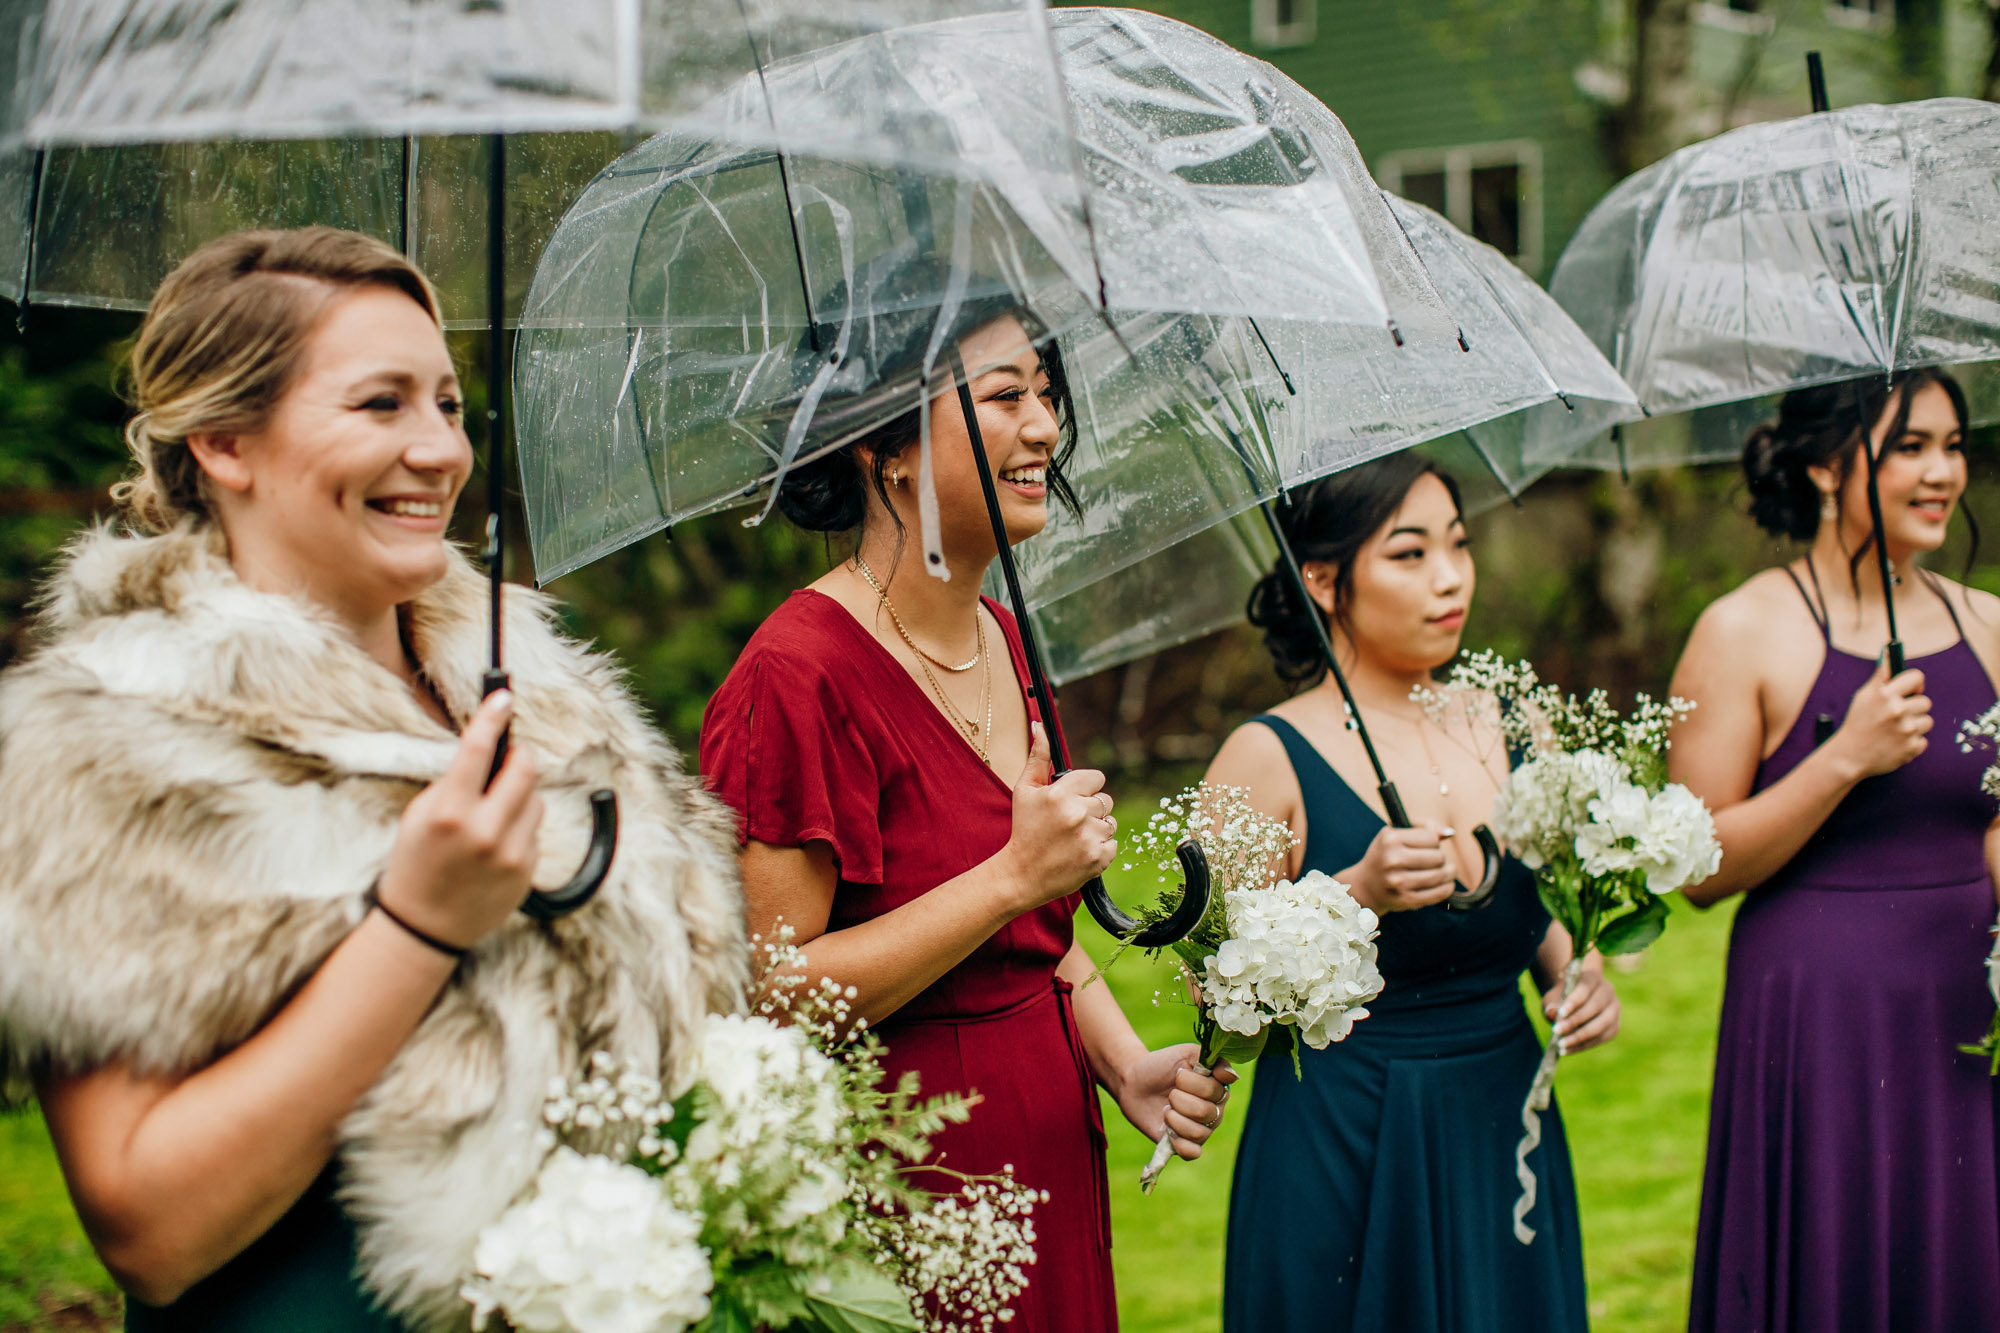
x,y
1829,508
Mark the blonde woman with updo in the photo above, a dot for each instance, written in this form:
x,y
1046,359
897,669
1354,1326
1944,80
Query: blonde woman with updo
x,y
259,946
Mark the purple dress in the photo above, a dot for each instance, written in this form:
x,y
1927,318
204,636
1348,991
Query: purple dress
x,y
1851,1182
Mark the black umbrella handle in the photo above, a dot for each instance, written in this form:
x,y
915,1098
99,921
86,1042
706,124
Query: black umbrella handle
x,y
1462,900
541,904
1194,896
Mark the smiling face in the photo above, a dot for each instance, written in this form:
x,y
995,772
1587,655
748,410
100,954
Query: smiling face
x,y
1016,410
1410,586
1921,477
345,493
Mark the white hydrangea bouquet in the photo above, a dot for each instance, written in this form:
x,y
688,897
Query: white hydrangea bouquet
x,y
1985,729
1589,809
1269,951
774,1191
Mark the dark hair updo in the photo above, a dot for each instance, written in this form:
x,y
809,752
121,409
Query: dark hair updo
x,y
1822,427
830,493
1328,521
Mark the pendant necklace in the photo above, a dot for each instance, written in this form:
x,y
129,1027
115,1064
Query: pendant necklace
x,y
974,661
975,735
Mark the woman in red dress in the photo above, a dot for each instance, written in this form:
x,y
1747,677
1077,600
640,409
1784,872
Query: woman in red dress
x,y
898,814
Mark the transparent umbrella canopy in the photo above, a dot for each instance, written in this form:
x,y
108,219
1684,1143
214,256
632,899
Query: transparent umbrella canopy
x,y
672,305
1524,387
1838,245
133,132
127,140
1786,254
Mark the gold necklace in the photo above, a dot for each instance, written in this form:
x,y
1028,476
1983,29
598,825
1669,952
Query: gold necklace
x,y
975,736
869,575
1437,771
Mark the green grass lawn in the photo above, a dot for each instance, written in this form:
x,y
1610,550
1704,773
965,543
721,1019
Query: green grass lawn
x,y
1636,1112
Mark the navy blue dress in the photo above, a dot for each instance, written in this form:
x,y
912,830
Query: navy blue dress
x,y
1376,1191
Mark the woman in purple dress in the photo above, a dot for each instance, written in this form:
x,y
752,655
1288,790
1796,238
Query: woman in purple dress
x,y
1851,1181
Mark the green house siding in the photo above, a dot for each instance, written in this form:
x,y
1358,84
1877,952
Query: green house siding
x,y
1411,76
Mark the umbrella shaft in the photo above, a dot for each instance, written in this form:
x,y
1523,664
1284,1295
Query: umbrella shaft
x,y
1038,675
496,374
1894,648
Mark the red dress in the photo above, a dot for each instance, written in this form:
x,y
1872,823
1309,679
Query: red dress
x,y
820,735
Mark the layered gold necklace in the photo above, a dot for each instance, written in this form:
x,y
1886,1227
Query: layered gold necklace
x,y
976,736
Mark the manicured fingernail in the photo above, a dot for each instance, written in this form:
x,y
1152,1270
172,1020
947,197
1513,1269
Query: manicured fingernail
x,y
500,699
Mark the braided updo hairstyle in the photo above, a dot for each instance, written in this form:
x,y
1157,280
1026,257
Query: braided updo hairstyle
x,y
830,493
1328,521
223,339
1821,427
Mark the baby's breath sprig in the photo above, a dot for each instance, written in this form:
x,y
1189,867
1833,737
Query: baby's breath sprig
x,y
1533,717
1244,847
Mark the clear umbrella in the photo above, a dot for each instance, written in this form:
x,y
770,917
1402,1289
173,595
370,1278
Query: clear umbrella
x,y
1781,255
134,130
720,306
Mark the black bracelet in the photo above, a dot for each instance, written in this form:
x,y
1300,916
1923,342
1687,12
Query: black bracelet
x,y
373,898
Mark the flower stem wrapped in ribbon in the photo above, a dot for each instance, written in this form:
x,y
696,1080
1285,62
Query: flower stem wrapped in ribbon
x,y
1270,952
773,1191
1589,810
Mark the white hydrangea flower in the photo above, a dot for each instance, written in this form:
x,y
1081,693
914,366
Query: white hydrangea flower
x,y
597,1248
1669,835
1300,953
1544,801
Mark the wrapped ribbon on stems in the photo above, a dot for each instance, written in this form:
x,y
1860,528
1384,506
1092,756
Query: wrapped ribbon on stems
x,y
1269,952
1589,810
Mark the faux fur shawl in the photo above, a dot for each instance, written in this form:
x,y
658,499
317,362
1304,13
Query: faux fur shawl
x,y
198,781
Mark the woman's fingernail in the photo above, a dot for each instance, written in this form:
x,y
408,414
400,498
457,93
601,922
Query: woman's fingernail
x,y
500,699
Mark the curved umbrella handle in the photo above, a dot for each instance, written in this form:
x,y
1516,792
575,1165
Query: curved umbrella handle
x,y
551,904
1170,929
1466,900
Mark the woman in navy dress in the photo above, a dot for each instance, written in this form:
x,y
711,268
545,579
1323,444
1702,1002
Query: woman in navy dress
x,y
1851,1180
1375,1190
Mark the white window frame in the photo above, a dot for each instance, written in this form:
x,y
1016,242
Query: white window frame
x,y
1267,32
1457,164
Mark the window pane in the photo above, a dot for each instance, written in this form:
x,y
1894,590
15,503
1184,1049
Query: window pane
x,y
1424,187
1496,207
1285,12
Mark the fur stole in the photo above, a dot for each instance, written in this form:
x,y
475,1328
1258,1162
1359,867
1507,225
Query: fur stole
x,y
198,781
